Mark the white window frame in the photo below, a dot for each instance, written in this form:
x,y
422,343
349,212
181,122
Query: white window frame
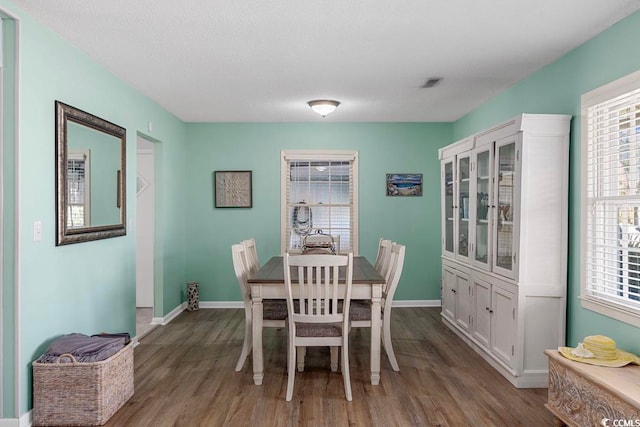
x,y
287,156
590,301
83,156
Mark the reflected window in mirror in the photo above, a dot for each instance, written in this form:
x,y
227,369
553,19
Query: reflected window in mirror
x,y
78,186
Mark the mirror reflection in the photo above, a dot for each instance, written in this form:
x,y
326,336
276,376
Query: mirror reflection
x,y
90,173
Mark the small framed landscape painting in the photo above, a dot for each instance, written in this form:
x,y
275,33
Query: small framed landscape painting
x,y
232,189
404,184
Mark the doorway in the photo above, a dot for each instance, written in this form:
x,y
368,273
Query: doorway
x,y
145,235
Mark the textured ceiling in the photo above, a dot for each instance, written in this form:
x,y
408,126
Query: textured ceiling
x,y
261,61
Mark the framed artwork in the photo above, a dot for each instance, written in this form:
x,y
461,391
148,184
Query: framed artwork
x,y
404,184
232,189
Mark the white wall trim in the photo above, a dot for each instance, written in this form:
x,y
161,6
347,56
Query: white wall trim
x,y
239,304
206,305
169,317
160,321
417,303
222,304
396,303
11,422
26,420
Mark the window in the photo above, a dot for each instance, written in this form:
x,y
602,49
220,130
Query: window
x,y
611,199
79,189
319,194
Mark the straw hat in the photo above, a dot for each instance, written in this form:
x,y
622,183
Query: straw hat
x,y
599,350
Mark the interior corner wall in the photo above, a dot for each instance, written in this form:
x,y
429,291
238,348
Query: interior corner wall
x,y
85,287
557,88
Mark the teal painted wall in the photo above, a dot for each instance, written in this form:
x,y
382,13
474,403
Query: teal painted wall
x,y
8,171
557,89
87,287
382,148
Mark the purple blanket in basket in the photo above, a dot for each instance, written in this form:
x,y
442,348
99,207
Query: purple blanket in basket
x,y
83,348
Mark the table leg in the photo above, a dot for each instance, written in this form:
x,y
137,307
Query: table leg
x,y
258,364
376,327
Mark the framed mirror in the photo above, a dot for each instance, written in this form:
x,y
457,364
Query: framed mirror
x,y
90,175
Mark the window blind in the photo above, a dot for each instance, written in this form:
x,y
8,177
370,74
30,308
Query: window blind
x,y
319,198
76,192
612,260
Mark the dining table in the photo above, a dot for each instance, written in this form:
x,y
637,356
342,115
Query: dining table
x,y
268,283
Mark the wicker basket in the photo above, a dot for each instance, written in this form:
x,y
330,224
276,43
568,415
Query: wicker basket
x,y
82,394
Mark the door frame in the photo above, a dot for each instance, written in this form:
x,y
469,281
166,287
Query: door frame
x,y
152,147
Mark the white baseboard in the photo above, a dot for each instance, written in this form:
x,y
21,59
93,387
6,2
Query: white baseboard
x,y
417,303
222,304
169,317
27,419
405,303
238,304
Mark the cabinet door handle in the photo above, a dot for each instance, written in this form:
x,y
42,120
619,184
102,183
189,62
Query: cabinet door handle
x,y
453,290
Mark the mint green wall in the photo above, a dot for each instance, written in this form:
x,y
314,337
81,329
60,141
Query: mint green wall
x,y
382,147
8,171
557,89
87,287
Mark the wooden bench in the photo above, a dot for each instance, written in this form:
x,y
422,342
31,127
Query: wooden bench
x,y
583,395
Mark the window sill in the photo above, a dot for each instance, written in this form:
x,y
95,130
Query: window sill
x,y
610,310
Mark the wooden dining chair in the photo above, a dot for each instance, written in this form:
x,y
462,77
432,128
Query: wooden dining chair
x,y
383,256
360,312
315,317
251,254
274,311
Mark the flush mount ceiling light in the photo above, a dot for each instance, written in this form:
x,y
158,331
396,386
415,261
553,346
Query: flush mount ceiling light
x,y
323,106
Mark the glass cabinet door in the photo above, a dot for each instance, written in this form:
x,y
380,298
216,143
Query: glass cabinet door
x,y
448,217
463,204
505,188
483,161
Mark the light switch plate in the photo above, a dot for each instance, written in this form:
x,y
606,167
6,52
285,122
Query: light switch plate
x,y
37,231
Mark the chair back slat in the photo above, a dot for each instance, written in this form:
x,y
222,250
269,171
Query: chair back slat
x,y
314,282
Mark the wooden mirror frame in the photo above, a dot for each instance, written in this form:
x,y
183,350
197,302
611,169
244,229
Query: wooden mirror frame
x,y
65,235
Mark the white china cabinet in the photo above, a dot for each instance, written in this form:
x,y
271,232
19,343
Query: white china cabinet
x,y
504,242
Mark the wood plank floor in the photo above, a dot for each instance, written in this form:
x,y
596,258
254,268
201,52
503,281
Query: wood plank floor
x,y
184,376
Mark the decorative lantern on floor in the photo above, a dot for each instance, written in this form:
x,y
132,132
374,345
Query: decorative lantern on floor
x,y
193,296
